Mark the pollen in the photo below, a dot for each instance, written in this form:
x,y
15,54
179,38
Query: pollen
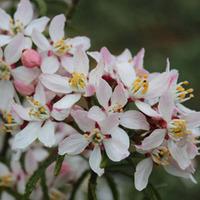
x,y
183,94
4,71
61,47
77,81
140,85
95,136
6,181
161,155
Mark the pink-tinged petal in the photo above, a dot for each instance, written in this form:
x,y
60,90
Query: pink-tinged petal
x,y
57,27
40,94
6,196
111,121
125,56
134,120
83,42
6,94
103,93
50,65
73,144
38,24
117,146
4,39
89,90
1,53
4,170
192,150
81,61
55,83
106,56
24,12
95,113
95,55
13,50
179,153
30,163
67,63
138,60
39,154
192,119
26,136
126,73
166,106
5,20
95,161
67,101
47,134
23,88
60,115
154,140
40,40
146,109
82,120
25,75
142,173
21,111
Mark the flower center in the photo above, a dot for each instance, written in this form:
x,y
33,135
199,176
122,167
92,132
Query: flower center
x,y
183,94
77,81
61,47
6,181
16,27
4,71
95,136
116,108
140,85
38,111
161,155
8,123
178,129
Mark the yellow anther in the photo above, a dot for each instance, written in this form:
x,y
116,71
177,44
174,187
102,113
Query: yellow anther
x,y
77,81
56,195
61,47
6,181
161,155
16,26
4,71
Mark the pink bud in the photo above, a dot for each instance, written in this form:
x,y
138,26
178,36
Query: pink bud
x,y
31,58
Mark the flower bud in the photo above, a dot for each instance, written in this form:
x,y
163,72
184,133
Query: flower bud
x,y
31,58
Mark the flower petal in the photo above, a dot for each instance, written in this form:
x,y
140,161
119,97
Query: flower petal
x,y
134,120
142,173
50,65
73,144
22,112
40,94
95,161
5,20
26,136
95,113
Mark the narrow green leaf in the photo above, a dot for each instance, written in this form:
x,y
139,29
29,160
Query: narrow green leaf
x,y
11,192
58,165
41,4
44,187
150,193
112,186
92,186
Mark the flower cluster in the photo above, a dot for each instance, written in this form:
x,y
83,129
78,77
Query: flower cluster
x,y
56,94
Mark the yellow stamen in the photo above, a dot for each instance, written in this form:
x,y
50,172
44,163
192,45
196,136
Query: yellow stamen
x,y
61,47
6,181
77,81
161,155
4,71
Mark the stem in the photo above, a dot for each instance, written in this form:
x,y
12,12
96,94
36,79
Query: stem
x,y
11,192
72,9
5,145
44,187
78,184
58,165
92,186
42,7
113,187
37,175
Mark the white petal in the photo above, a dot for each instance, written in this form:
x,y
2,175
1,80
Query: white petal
x,y
55,83
95,113
119,96
192,119
67,101
179,154
117,146
146,109
95,161
40,40
14,49
40,94
166,106
38,24
30,162
154,140
134,120
26,136
50,65
6,94
60,115
126,73
83,42
103,93
1,53
22,112
56,28
5,20
143,171
73,144
4,170
82,120
81,61
24,12
47,134
4,39
112,121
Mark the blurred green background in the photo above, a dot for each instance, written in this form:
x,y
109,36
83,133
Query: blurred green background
x,y
165,29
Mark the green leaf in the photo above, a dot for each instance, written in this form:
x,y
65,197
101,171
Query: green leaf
x,y
44,187
112,186
92,186
150,193
78,183
37,175
58,165
11,192
41,4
